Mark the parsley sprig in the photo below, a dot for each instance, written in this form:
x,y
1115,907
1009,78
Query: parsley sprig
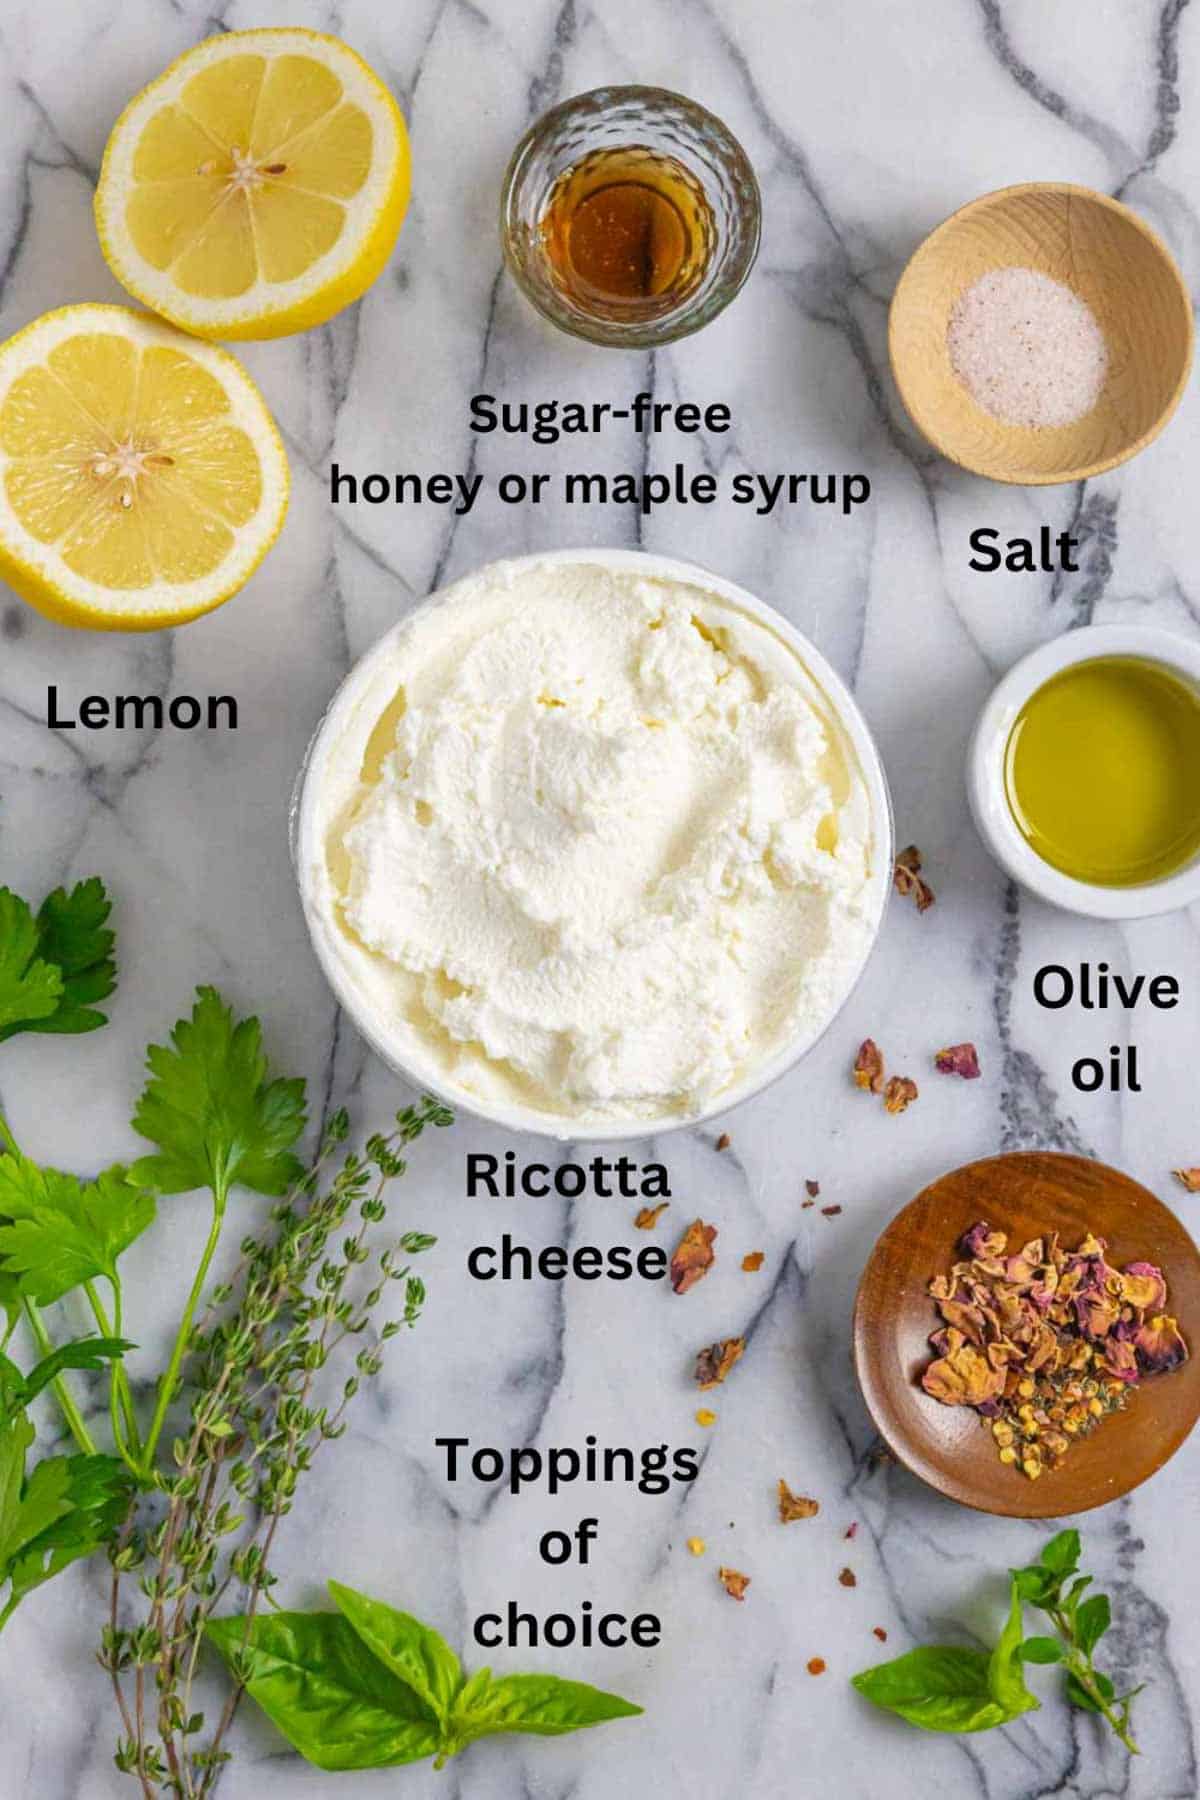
x,y
55,968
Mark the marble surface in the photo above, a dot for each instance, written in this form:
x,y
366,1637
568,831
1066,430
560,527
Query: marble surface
x,y
867,124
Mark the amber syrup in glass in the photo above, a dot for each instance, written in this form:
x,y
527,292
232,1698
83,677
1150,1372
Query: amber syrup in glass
x,y
627,229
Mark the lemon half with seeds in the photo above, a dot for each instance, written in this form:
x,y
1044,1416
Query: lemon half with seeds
x,y
142,479
257,186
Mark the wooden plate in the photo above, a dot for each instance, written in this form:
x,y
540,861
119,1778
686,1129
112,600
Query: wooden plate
x,y
1109,256
1024,1194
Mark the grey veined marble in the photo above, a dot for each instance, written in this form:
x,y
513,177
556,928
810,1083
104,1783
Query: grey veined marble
x,y
867,123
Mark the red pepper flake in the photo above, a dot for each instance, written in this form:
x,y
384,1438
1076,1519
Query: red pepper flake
x,y
868,1066
908,880
734,1583
880,1633
694,1256
848,1578
959,1059
1190,1179
724,1141
815,1665
649,1216
830,1212
814,1188
753,1262
852,1529
899,1093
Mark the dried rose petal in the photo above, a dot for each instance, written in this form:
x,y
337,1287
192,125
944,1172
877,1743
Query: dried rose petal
x,y
1160,1344
724,1141
900,1092
880,1633
795,1506
962,1377
734,1583
753,1262
851,1530
694,1256
981,1240
830,1212
714,1363
868,1066
815,1665
813,1188
908,879
959,1059
1143,1286
649,1216
1190,1179
848,1578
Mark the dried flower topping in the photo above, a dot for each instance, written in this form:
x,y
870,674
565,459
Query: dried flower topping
x,y
880,1633
649,1216
734,1583
705,1417
899,1093
908,880
753,1263
714,1363
697,1546
812,1188
724,1141
848,1578
868,1066
851,1530
830,1212
1044,1342
1190,1179
959,1059
815,1665
795,1506
694,1256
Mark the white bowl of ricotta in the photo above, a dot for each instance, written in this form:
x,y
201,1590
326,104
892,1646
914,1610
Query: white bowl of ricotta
x,y
592,843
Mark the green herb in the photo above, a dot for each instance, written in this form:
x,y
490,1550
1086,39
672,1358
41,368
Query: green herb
x,y
66,1508
262,1395
54,969
948,1688
369,1687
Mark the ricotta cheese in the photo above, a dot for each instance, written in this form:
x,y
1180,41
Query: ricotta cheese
x,y
588,843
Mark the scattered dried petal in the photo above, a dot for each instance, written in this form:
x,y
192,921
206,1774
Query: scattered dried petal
x,y
900,1092
714,1363
649,1216
753,1262
805,1204
694,1256
815,1665
830,1212
724,1141
852,1529
959,1059
868,1066
880,1633
705,1417
697,1546
1190,1179
848,1578
734,1583
908,879
795,1506
814,1188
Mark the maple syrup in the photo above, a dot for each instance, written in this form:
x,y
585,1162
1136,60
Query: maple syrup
x,y
627,231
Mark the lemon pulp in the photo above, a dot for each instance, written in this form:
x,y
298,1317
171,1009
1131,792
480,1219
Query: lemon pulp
x,y
1102,771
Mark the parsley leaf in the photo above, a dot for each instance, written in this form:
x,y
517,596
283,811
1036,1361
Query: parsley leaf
x,y
53,969
66,1509
73,934
56,1232
212,1110
30,989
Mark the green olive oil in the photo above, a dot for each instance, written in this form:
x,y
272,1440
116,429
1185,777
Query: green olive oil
x,y
1102,771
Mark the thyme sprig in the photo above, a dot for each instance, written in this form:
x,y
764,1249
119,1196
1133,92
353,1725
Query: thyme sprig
x,y
262,1398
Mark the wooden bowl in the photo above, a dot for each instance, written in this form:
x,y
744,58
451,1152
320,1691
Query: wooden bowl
x,y
1114,262
950,1447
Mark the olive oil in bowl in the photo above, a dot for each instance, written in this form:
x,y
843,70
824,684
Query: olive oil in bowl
x,y
1102,771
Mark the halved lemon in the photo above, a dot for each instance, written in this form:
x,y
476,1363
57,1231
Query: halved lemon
x,y
257,186
142,479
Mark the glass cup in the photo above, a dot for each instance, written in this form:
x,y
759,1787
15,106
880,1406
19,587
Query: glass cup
x,y
686,155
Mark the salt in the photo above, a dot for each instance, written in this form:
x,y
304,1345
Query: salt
x,y
1027,348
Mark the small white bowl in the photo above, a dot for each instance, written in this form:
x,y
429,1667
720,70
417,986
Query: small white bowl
x,y
987,790
307,846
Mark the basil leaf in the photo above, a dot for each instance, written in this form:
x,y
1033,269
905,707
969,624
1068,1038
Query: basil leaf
x,y
1041,1650
1061,1554
1006,1683
541,1704
939,1687
1092,1621
319,1684
1079,1696
420,1656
